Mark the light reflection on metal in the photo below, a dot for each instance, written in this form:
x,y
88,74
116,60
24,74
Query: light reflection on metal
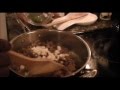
x,y
87,66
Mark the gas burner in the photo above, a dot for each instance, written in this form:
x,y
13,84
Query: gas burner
x,y
101,46
104,52
108,48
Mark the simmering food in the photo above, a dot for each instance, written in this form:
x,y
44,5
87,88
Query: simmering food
x,y
51,51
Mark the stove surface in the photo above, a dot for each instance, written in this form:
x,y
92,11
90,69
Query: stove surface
x,y
105,50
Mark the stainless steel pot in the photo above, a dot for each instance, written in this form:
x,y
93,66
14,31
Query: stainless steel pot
x,y
67,39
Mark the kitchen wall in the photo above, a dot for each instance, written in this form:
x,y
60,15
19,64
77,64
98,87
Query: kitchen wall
x,y
3,30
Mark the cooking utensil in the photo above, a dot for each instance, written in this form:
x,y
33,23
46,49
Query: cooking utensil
x,y
66,39
34,66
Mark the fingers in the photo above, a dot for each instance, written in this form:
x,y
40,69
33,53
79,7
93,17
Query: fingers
x,y
4,60
4,46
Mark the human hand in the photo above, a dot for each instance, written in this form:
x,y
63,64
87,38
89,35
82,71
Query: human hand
x,y
4,59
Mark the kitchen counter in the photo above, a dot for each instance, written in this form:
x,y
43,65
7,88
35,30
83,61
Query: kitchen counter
x,y
15,29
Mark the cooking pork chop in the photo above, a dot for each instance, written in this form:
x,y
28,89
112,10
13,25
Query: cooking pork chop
x,y
87,20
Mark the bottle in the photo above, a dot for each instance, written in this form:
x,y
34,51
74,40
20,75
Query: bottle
x,y
3,28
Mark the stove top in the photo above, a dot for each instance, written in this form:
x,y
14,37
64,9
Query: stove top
x,y
105,52
104,60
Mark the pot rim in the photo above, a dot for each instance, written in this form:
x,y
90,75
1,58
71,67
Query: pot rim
x,y
80,38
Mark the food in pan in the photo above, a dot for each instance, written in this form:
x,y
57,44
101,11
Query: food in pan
x,y
51,51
